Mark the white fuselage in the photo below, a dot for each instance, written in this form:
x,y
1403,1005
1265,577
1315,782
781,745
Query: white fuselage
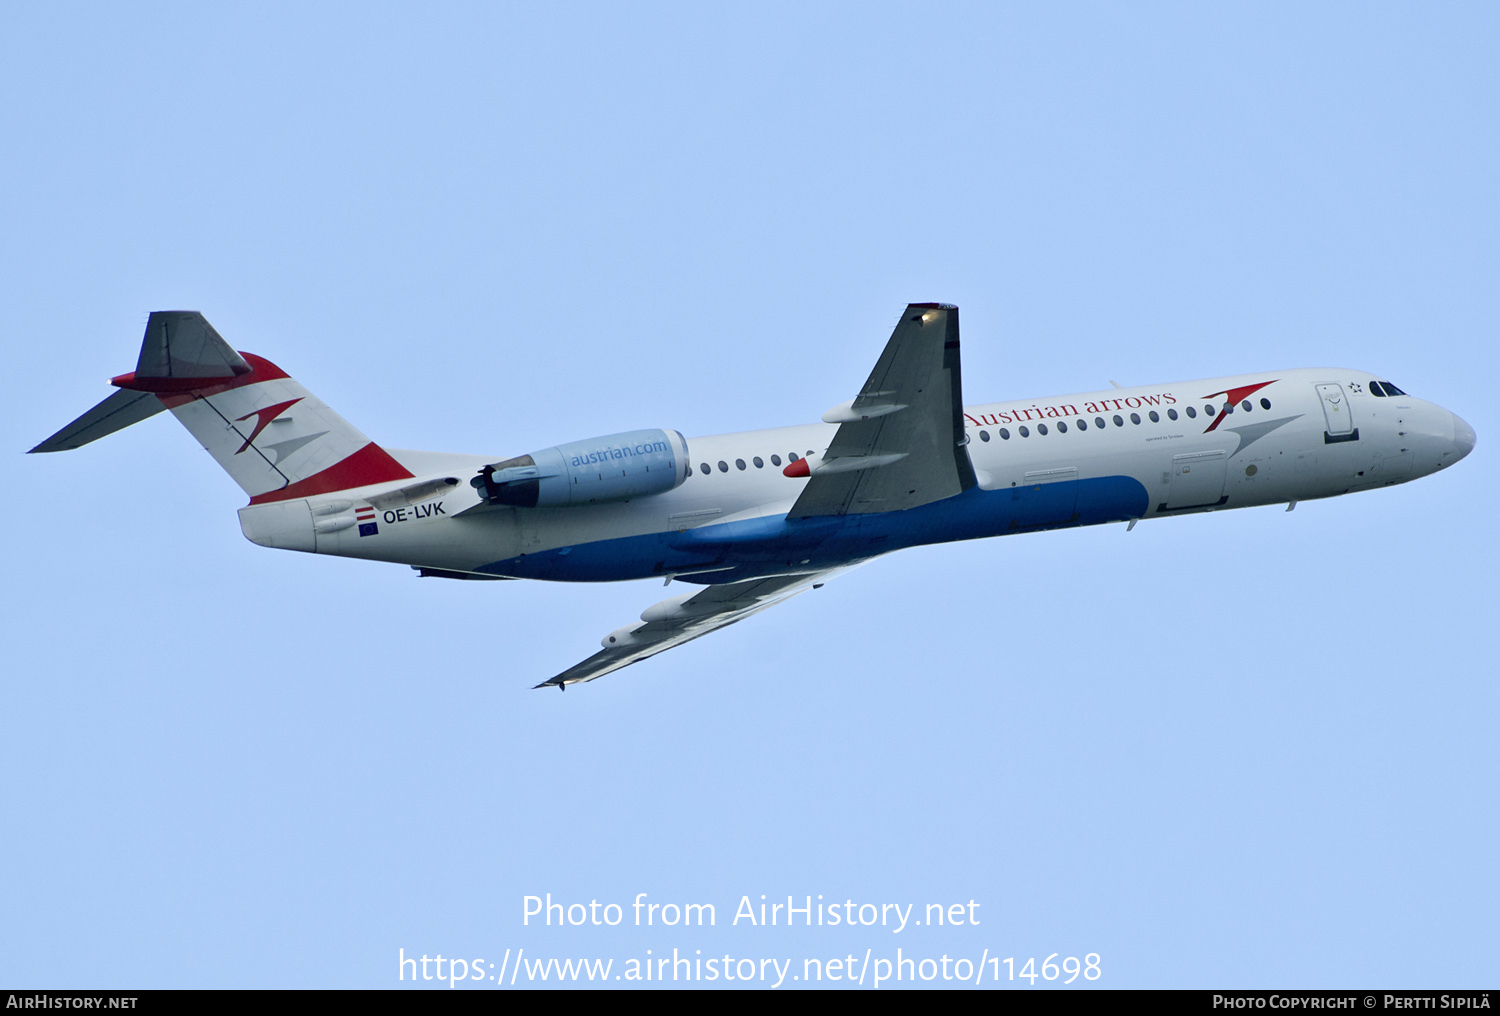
x,y
1073,460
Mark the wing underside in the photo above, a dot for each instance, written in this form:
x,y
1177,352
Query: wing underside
x,y
684,618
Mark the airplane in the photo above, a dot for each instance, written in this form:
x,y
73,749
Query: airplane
x,y
758,517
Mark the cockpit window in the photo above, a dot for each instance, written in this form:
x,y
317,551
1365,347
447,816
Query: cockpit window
x,y
1386,388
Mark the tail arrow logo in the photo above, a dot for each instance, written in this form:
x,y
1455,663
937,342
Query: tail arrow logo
x,y
263,420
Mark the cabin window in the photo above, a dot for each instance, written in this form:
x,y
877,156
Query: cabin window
x,y
791,456
1041,428
1246,405
1191,412
1062,427
704,466
1025,432
1171,414
775,460
1135,418
759,462
739,464
984,435
1099,422
1119,422
1004,434
1154,417
1083,425
1208,410
1265,403
723,466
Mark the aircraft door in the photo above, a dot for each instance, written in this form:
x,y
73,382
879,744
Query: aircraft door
x,y
1197,480
1336,414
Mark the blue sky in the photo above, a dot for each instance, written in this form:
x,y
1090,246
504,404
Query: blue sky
x,y
1236,750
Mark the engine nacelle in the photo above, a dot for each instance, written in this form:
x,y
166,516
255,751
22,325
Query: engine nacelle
x,y
618,467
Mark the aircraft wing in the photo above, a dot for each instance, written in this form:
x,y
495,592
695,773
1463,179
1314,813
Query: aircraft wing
x,y
901,442
684,618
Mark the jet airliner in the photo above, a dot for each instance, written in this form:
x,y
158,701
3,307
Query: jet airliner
x,y
754,518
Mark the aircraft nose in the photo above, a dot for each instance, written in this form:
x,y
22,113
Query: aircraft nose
x,y
1463,436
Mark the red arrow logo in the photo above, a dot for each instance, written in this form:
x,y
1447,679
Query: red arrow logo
x,y
1232,396
265,416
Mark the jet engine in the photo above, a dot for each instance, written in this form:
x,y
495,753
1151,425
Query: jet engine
x,y
617,467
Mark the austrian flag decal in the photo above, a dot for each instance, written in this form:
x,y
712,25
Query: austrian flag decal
x,y
366,517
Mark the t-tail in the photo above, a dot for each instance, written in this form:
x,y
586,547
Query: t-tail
x,y
275,438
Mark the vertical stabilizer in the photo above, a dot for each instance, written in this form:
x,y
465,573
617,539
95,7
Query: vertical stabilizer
x,y
277,439
274,437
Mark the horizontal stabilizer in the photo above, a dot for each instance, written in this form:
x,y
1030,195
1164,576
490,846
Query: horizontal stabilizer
x,y
117,412
182,344
179,353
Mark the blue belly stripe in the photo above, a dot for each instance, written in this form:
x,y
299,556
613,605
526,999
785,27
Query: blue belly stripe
x,y
768,545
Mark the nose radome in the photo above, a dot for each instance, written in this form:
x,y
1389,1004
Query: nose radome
x,y
1463,436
